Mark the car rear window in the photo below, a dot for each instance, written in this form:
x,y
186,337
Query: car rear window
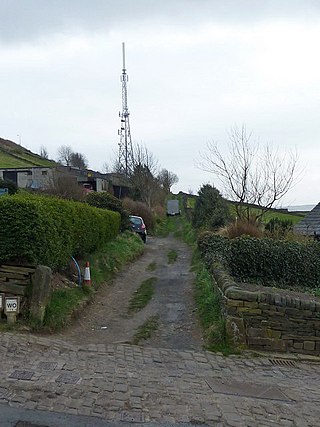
x,y
136,221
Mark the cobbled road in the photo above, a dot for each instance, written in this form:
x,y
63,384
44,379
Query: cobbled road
x,y
57,381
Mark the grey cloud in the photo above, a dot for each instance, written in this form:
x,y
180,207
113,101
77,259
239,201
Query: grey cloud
x,y
25,20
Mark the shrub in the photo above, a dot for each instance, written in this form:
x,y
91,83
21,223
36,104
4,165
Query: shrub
x,y
140,209
280,261
105,200
278,228
213,248
159,212
65,186
211,211
241,228
46,230
291,236
251,258
10,185
267,261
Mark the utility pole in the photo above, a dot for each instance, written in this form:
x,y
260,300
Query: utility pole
x,y
125,143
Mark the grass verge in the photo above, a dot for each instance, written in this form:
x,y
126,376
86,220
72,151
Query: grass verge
x,y
316,292
142,295
62,306
65,303
145,330
208,301
104,264
165,227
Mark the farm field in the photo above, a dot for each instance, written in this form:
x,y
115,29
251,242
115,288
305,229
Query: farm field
x,y
295,218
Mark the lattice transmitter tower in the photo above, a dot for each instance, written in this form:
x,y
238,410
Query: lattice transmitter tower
x,y
125,143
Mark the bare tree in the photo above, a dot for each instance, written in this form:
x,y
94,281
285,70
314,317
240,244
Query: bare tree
x,y
78,160
44,152
116,167
65,186
167,179
250,175
142,156
144,175
105,168
65,154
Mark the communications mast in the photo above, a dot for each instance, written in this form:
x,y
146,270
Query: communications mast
x,y
125,143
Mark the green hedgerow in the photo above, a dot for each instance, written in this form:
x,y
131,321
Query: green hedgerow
x,y
47,230
265,260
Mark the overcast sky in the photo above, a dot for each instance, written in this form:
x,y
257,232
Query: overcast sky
x,y
196,68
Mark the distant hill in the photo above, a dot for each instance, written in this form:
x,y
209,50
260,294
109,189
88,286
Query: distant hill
x,y
13,155
301,208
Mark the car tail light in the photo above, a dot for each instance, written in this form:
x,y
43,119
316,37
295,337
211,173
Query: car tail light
x,y
143,227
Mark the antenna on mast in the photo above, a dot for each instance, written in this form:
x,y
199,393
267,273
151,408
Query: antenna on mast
x,y
123,58
125,143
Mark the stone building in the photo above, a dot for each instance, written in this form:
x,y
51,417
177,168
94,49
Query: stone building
x,y
40,177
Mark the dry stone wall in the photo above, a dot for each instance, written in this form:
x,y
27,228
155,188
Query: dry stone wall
x,y
269,319
14,279
31,283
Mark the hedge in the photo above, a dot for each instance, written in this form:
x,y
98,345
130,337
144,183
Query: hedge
x,y
214,248
10,185
265,260
47,230
105,200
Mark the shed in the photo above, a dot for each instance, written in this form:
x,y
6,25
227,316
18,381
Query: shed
x,y
310,224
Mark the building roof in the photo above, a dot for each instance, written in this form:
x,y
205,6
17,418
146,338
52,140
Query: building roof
x,y
310,224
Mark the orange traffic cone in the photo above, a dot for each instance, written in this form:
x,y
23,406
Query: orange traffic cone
x,y
87,277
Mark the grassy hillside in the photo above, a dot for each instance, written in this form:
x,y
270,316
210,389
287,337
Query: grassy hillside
x,y
274,213
284,216
13,155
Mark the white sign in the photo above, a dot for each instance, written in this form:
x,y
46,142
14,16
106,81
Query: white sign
x,y
1,302
12,305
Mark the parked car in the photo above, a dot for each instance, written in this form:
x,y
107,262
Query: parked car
x,y
137,224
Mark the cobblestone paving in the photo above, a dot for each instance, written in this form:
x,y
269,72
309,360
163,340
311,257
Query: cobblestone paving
x,y
134,384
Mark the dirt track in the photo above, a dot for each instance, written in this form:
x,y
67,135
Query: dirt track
x,y
106,320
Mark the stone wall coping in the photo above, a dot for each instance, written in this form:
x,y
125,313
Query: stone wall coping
x,y
257,293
